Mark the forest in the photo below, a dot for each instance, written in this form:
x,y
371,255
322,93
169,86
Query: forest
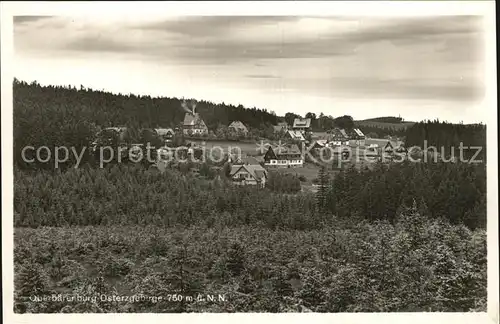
x,y
447,135
398,237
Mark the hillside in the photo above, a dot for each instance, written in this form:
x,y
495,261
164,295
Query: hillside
x,y
376,122
108,109
400,237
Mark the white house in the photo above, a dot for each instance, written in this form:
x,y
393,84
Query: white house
x,y
302,124
284,157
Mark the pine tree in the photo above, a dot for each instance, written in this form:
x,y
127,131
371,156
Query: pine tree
x,y
322,194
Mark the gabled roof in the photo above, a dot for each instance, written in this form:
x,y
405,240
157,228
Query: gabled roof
x,y
256,171
382,143
359,132
189,119
297,135
193,120
286,150
301,122
320,143
320,135
238,125
246,160
337,132
164,131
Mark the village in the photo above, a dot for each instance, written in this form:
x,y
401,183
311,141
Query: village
x,y
317,160
250,164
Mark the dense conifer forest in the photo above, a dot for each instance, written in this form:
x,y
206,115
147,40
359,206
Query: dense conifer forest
x,y
395,237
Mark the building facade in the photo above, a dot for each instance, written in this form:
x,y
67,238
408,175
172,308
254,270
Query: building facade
x,y
238,127
284,157
194,125
247,174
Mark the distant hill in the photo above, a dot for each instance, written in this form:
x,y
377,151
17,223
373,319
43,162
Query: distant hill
x,y
396,123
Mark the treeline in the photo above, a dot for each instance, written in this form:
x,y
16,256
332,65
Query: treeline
x,y
131,194
388,119
108,109
373,131
64,116
446,137
454,191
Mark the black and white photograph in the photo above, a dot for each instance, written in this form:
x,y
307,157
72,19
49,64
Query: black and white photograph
x,y
294,161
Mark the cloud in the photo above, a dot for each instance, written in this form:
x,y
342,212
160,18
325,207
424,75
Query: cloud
x,y
99,43
419,89
221,40
28,19
210,26
435,58
413,29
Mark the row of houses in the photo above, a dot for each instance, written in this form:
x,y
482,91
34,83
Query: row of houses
x,y
302,125
110,134
193,124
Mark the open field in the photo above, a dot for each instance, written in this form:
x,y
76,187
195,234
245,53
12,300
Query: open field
x,y
309,171
247,148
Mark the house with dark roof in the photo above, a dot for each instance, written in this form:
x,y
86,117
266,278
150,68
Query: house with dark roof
x,y
384,145
248,174
339,137
358,134
356,137
295,135
194,125
284,157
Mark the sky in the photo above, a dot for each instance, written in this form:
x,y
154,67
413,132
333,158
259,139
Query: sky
x,y
417,68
